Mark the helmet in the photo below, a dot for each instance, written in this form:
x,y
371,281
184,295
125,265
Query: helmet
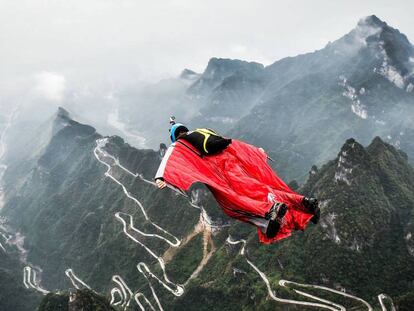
x,y
175,129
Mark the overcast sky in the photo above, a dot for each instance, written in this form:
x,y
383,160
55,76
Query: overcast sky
x,y
149,39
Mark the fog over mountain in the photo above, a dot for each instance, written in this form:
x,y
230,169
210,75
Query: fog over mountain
x,y
300,108
80,55
82,224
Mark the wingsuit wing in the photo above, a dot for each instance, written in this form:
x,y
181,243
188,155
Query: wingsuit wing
x,y
240,179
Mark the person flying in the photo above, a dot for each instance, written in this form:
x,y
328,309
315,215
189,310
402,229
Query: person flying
x,y
240,179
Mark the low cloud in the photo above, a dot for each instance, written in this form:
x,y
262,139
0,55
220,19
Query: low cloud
x,y
238,49
50,85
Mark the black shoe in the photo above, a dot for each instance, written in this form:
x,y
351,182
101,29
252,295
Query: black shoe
x,y
316,216
275,216
312,205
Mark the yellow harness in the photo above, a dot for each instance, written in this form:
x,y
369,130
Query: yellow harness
x,y
206,133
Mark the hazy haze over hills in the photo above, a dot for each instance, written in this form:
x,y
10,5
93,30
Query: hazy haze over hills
x,y
80,53
78,208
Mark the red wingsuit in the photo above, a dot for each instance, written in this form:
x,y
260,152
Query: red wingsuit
x,y
242,182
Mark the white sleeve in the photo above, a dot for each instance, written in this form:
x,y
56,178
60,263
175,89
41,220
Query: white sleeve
x,y
161,168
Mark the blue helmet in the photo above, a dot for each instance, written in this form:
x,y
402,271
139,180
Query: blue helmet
x,y
175,129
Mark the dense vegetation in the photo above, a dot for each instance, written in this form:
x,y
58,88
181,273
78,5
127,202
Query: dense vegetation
x,y
65,207
81,300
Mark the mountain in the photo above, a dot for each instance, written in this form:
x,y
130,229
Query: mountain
x,y
218,97
189,75
13,295
219,70
358,86
364,239
64,209
300,109
90,218
80,209
226,91
141,113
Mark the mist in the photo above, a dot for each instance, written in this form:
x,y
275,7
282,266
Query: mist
x,y
103,60
87,89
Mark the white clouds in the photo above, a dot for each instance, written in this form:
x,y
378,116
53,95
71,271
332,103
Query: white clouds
x,y
239,49
50,85
150,38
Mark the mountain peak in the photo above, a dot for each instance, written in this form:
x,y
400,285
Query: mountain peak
x,y
385,48
62,119
378,147
188,74
351,144
388,36
62,113
377,141
353,150
219,69
352,154
227,66
372,21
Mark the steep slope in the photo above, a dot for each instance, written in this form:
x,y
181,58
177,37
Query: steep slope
x,y
358,86
300,109
73,219
65,207
13,295
92,219
362,246
364,240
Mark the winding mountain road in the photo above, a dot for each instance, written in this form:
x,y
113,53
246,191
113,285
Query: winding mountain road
x,y
322,303
130,230
126,295
123,296
30,280
76,282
